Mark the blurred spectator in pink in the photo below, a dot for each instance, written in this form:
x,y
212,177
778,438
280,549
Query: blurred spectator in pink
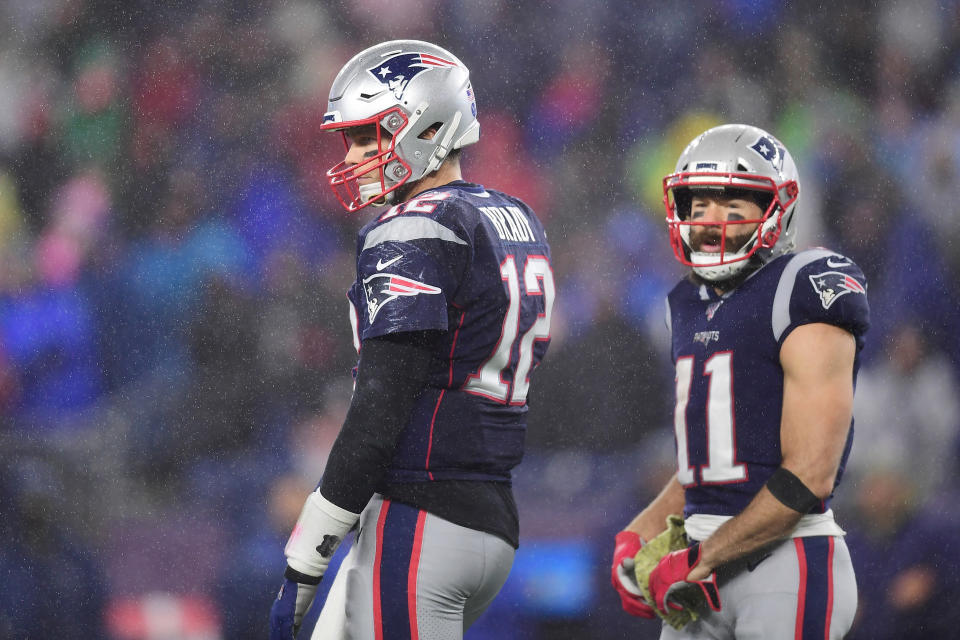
x,y
79,216
571,102
500,162
48,328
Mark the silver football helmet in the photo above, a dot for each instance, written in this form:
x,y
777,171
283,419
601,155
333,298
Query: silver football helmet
x,y
405,87
726,158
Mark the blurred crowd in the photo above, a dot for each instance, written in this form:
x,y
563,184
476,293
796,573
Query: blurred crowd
x,y
175,353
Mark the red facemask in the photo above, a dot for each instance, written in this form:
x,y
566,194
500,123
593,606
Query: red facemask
x,y
388,165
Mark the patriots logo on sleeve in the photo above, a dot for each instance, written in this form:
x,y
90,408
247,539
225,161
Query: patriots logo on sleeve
x,y
830,285
381,288
397,71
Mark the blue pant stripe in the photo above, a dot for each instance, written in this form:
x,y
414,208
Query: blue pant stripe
x,y
819,575
398,538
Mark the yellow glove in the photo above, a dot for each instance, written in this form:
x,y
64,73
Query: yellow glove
x,y
673,538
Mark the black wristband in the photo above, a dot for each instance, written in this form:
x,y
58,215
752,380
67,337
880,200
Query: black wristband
x,y
790,490
302,578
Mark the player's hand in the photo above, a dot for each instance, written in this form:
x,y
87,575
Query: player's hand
x,y
319,531
623,578
291,604
670,575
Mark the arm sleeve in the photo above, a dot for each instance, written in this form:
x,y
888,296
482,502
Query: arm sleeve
x,y
390,377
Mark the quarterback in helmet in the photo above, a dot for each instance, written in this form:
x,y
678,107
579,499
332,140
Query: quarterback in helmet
x,y
451,315
412,106
765,343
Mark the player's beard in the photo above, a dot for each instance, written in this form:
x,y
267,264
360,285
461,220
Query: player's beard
x,y
404,192
702,235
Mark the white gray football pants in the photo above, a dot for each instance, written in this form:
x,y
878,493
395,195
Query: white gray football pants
x,y
803,588
411,574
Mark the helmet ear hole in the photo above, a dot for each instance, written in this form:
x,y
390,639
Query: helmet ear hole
x,y
682,198
430,131
763,200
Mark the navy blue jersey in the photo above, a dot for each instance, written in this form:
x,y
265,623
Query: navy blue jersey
x,y
474,264
729,382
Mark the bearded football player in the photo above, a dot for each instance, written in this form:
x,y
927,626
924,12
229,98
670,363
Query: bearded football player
x,y
741,542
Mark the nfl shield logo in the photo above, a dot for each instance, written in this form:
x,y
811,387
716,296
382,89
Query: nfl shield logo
x,y
712,309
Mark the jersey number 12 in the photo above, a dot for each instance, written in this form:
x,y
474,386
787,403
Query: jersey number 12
x,y
488,381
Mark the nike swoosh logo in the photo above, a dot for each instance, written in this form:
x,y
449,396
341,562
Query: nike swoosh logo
x,y
753,565
381,265
832,264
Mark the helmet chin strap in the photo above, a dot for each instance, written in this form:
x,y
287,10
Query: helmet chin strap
x,y
717,272
723,278
370,191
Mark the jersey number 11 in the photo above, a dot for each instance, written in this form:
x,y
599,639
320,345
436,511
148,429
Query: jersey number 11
x,y
721,464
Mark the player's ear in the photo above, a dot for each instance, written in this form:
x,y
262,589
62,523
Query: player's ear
x,y
430,131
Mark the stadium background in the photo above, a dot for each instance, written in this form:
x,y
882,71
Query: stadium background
x,y
174,350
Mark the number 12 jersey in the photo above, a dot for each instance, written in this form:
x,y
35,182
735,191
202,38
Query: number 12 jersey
x,y
473,264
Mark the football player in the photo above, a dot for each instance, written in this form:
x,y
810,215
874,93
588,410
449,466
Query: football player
x,y
451,314
766,345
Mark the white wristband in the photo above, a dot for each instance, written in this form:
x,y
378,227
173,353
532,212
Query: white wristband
x,y
319,531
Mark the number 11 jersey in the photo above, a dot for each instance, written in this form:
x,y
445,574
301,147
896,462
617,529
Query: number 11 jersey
x,y
729,382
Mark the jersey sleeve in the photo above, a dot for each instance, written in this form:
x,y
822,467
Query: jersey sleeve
x,y
407,274
822,286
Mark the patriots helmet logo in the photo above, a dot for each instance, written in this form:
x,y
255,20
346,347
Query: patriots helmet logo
x,y
830,285
381,288
771,151
397,71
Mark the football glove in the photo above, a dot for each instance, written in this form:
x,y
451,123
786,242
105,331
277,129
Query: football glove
x,y
319,531
670,589
673,538
291,604
623,577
